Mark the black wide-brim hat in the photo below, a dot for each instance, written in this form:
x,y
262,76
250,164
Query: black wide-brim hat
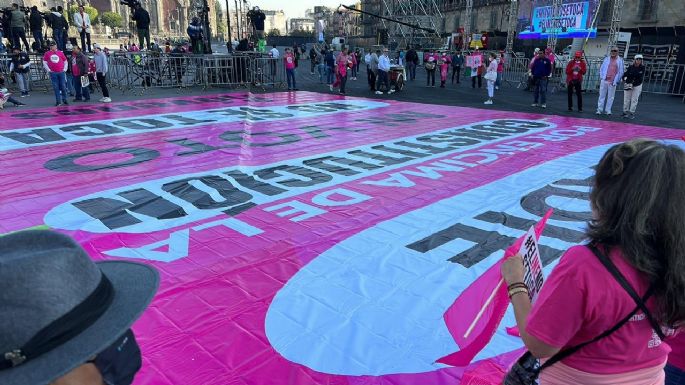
x,y
134,287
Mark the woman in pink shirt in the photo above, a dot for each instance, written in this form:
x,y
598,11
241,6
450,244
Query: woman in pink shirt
x,y
444,64
638,202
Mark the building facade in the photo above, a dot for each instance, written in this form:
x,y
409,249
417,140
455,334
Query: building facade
x,y
275,20
300,24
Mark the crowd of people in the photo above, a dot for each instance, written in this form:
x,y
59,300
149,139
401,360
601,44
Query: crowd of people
x,y
336,68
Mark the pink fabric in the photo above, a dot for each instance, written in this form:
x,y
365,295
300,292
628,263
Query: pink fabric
x,y
580,300
612,70
560,374
444,67
55,60
289,61
341,62
465,308
677,356
500,64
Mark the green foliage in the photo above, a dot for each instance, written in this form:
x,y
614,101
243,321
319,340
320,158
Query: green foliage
x,y
274,32
111,19
92,12
302,33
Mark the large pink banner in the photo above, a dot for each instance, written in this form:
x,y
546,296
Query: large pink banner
x,y
304,238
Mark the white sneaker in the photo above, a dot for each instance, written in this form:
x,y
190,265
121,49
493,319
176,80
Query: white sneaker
x,y
102,99
534,105
497,87
543,105
379,93
391,91
331,87
488,102
598,112
106,100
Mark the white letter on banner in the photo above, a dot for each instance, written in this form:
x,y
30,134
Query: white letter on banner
x,y
396,179
296,207
324,199
177,245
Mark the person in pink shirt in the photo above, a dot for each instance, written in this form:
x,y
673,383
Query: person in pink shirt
x,y
638,202
444,64
675,370
342,63
55,64
289,60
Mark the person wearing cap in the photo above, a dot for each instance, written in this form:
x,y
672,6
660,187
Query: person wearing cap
x,y
55,64
20,66
101,69
530,85
575,69
610,74
633,78
84,337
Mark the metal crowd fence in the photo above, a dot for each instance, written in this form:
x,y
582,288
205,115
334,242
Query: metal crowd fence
x,y
660,78
140,71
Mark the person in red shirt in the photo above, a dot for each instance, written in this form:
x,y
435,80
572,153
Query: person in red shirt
x,y
575,69
638,202
55,64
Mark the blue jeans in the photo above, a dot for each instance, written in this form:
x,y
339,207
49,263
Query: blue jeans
x,y
674,376
321,69
38,37
70,85
60,36
59,84
541,90
498,82
290,73
82,93
330,75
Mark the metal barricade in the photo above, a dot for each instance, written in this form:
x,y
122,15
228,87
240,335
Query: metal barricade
x,y
516,72
664,78
269,72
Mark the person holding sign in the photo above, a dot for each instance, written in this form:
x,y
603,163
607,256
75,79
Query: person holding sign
x,y
621,297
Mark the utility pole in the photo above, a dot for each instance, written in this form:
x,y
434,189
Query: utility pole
x,y
237,20
511,28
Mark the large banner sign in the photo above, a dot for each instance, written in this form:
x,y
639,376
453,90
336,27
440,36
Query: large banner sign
x,y
538,19
305,238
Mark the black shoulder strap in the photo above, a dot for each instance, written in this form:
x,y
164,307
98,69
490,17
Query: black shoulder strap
x,y
624,282
567,352
640,306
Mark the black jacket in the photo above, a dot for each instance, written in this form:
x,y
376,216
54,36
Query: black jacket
x,y
634,74
142,18
22,58
57,21
35,21
412,57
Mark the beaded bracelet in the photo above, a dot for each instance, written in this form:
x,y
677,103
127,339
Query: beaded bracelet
x,y
517,284
517,290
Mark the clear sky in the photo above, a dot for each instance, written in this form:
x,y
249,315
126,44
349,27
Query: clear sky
x,y
292,8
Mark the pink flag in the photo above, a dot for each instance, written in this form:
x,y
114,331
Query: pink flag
x,y
475,315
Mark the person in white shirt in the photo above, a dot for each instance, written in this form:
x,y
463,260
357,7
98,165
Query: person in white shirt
x,y
275,54
383,69
82,23
610,74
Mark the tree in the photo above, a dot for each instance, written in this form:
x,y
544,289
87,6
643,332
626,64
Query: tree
x,y
92,12
220,19
274,32
302,33
111,19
